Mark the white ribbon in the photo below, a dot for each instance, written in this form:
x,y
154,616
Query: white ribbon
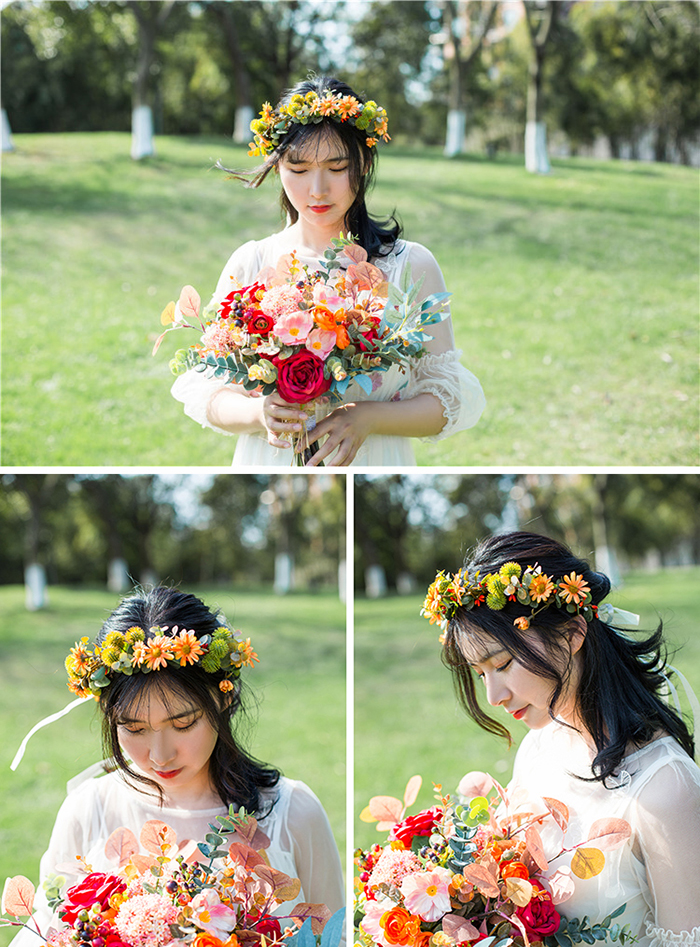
x,y
43,723
689,693
617,616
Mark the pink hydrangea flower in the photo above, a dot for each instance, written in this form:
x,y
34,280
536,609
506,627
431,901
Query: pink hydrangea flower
x,y
145,920
392,867
320,342
426,893
294,327
219,337
280,300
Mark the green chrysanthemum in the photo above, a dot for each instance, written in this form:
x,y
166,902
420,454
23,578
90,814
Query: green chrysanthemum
x,y
111,655
211,663
508,570
135,634
496,599
114,639
218,649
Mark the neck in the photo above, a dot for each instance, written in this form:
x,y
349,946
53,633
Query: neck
x,y
309,240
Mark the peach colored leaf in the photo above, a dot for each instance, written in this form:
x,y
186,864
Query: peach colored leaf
x,y
151,836
250,833
355,253
168,314
412,790
189,302
587,862
535,849
560,812
245,855
474,784
18,896
608,834
318,913
561,885
458,928
189,851
366,815
386,809
288,892
366,276
278,881
142,863
121,845
482,879
519,891
156,344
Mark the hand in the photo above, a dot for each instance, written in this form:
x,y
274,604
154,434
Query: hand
x,y
278,417
347,428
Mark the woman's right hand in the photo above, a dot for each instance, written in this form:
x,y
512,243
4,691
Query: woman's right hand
x,y
279,418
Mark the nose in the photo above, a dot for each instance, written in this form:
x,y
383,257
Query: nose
x,y
496,691
318,183
161,752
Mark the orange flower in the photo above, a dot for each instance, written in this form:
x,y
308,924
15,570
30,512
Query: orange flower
x,y
225,686
247,654
400,927
541,588
332,322
155,654
186,648
514,869
207,940
573,589
348,106
522,623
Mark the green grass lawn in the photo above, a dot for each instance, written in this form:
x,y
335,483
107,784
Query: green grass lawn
x,y
299,685
575,298
406,716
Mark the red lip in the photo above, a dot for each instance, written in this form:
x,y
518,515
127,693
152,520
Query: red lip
x,y
320,208
170,774
518,714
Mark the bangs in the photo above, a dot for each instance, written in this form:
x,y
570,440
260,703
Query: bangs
x,y
132,702
309,142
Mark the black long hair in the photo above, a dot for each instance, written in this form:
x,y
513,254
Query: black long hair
x,y
617,697
235,775
377,237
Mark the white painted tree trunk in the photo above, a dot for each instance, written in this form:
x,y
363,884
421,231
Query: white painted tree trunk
x,y
148,578
456,128
405,583
118,575
6,133
142,132
342,581
242,134
375,582
284,573
35,595
536,159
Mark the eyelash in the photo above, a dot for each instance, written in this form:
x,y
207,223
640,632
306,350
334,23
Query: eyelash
x,y
179,729
334,170
503,667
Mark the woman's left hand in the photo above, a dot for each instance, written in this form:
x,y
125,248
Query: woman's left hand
x,y
347,427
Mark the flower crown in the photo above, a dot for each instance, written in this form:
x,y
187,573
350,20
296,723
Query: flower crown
x,y
312,108
510,584
90,671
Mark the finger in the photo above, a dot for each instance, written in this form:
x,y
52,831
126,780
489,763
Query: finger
x,y
291,427
277,441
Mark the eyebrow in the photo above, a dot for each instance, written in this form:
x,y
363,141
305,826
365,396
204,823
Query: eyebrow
x,y
185,713
292,159
482,659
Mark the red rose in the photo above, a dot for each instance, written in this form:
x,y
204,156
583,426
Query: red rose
x,y
97,888
539,916
421,824
269,925
300,377
260,324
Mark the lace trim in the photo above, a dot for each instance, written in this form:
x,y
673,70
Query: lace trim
x,y
457,389
662,938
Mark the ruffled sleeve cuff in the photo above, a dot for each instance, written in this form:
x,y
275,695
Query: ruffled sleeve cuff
x,y
195,390
457,389
661,938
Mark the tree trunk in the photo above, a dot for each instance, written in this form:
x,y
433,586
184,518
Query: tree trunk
x,y
5,132
241,77
536,159
149,17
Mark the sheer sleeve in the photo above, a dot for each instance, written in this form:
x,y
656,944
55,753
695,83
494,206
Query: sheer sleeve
x,y
194,389
669,837
315,851
440,372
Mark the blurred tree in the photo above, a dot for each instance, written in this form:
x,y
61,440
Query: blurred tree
x,y
150,17
540,17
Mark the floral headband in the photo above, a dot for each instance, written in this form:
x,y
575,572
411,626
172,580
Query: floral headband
x,y
312,108
89,672
531,587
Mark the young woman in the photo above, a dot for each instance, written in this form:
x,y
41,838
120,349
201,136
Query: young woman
x,y
526,618
173,755
326,167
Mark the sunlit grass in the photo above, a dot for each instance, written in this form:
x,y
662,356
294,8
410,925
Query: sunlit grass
x,y
574,298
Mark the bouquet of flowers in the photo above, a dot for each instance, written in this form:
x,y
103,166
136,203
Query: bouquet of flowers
x,y
306,334
462,874
211,894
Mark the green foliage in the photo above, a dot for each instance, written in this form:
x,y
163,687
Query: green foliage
x,y
583,932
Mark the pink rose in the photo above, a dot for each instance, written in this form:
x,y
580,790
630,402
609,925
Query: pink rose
x,y
300,377
539,915
97,888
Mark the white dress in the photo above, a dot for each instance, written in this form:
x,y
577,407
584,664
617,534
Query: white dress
x,y
657,872
301,840
439,372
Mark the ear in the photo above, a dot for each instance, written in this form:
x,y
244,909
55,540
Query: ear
x,y
578,629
